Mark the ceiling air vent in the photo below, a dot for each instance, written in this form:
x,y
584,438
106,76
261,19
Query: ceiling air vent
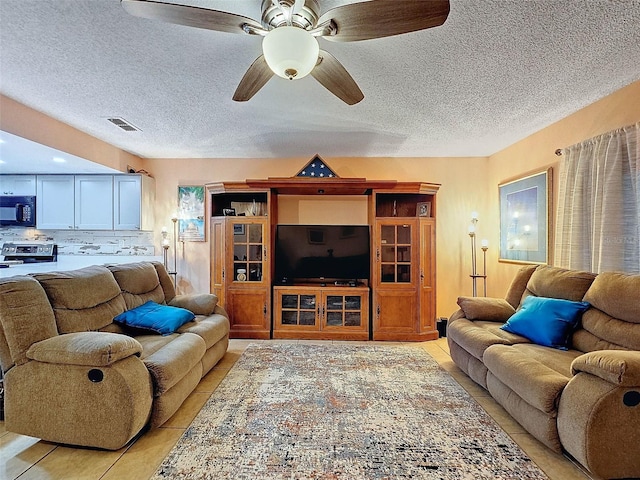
x,y
123,124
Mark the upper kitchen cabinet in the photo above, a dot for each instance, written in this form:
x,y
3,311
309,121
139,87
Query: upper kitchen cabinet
x,y
94,202
55,202
18,185
74,202
133,201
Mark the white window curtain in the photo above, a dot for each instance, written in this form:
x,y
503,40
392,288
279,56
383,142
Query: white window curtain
x,y
598,217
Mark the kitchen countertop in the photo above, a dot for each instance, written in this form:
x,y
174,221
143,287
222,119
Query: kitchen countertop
x,y
73,262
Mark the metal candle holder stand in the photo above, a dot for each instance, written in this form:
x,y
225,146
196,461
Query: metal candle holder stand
x,y
165,248
474,270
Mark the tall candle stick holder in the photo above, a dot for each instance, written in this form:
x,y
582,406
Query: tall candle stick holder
x,y
165,249
474,259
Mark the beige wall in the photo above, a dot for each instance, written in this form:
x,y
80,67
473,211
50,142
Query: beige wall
x,y
28,123
468,184
538,151
462,192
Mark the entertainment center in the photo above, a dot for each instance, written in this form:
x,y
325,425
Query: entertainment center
x,y
334,281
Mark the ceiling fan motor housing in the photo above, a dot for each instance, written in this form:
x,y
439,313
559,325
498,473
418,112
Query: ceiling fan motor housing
x,y
306,18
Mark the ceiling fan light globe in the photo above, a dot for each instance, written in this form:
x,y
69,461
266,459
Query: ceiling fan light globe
x,y
291,52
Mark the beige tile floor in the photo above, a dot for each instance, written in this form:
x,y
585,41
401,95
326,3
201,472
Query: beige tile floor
x,y
25,458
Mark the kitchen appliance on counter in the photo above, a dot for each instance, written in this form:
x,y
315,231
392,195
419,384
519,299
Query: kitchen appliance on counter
x,y
29,252
17,211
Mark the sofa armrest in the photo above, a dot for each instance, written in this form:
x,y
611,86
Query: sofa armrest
x,y
485,308
95,349
618,367
198,303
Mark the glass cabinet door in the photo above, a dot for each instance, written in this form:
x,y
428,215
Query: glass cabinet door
x,y
248,252
343,310
298,309
395,253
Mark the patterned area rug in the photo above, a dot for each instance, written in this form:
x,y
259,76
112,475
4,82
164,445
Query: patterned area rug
x,y
291,411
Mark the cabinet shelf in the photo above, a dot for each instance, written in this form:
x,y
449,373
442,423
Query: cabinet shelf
x,y
402,204
247,203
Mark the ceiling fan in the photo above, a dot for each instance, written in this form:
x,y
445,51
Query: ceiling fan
x,y
289,27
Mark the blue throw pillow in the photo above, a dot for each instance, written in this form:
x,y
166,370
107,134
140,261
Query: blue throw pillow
x,y
161,319
546,321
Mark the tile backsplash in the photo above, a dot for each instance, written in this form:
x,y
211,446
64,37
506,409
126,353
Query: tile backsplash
x,y
84,242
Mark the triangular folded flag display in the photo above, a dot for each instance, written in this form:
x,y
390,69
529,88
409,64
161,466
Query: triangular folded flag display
x,y
316,168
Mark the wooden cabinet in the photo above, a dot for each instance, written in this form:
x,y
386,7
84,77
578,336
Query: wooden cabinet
x,y
315,312
241,270
396,302
403,267
18,185
133,202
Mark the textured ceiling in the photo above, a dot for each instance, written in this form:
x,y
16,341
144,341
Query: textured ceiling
x,y
495,72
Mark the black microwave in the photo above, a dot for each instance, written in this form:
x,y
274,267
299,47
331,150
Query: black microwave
x,y
18,211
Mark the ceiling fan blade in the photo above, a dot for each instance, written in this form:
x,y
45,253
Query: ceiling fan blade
x,y
190,16
384,18
335,78
254,79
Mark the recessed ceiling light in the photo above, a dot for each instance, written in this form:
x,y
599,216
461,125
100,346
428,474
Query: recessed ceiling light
x,y
2,161
59,160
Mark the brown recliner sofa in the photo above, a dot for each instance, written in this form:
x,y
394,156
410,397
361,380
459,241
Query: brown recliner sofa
x,y
584,400
73,376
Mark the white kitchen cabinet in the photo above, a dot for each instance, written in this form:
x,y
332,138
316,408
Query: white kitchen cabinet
x,y
94,202
133,201
18,185
55,202
74,202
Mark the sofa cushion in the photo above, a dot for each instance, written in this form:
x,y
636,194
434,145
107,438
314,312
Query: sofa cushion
x,y
165,281
536,373
170,363
211,328
83,300
554,282
519,284
139,283
613,322
546,321
157,318
198,303
476,336
484,308
26,317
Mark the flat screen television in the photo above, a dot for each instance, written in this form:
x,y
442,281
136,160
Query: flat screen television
x,y
322,252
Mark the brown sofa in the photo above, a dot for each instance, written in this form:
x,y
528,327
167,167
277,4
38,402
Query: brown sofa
x,y
73,376
584,400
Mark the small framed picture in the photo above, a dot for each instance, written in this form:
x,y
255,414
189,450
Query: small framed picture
x,y
423,209
315,236
229,212
238,229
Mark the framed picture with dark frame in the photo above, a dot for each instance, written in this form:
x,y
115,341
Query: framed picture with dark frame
x,y
315,236
525,211
423,209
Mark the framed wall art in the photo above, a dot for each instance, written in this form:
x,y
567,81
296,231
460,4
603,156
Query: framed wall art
x,y
191,226
525,210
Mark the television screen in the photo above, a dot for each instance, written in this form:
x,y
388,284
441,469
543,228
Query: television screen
x,y
329,252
